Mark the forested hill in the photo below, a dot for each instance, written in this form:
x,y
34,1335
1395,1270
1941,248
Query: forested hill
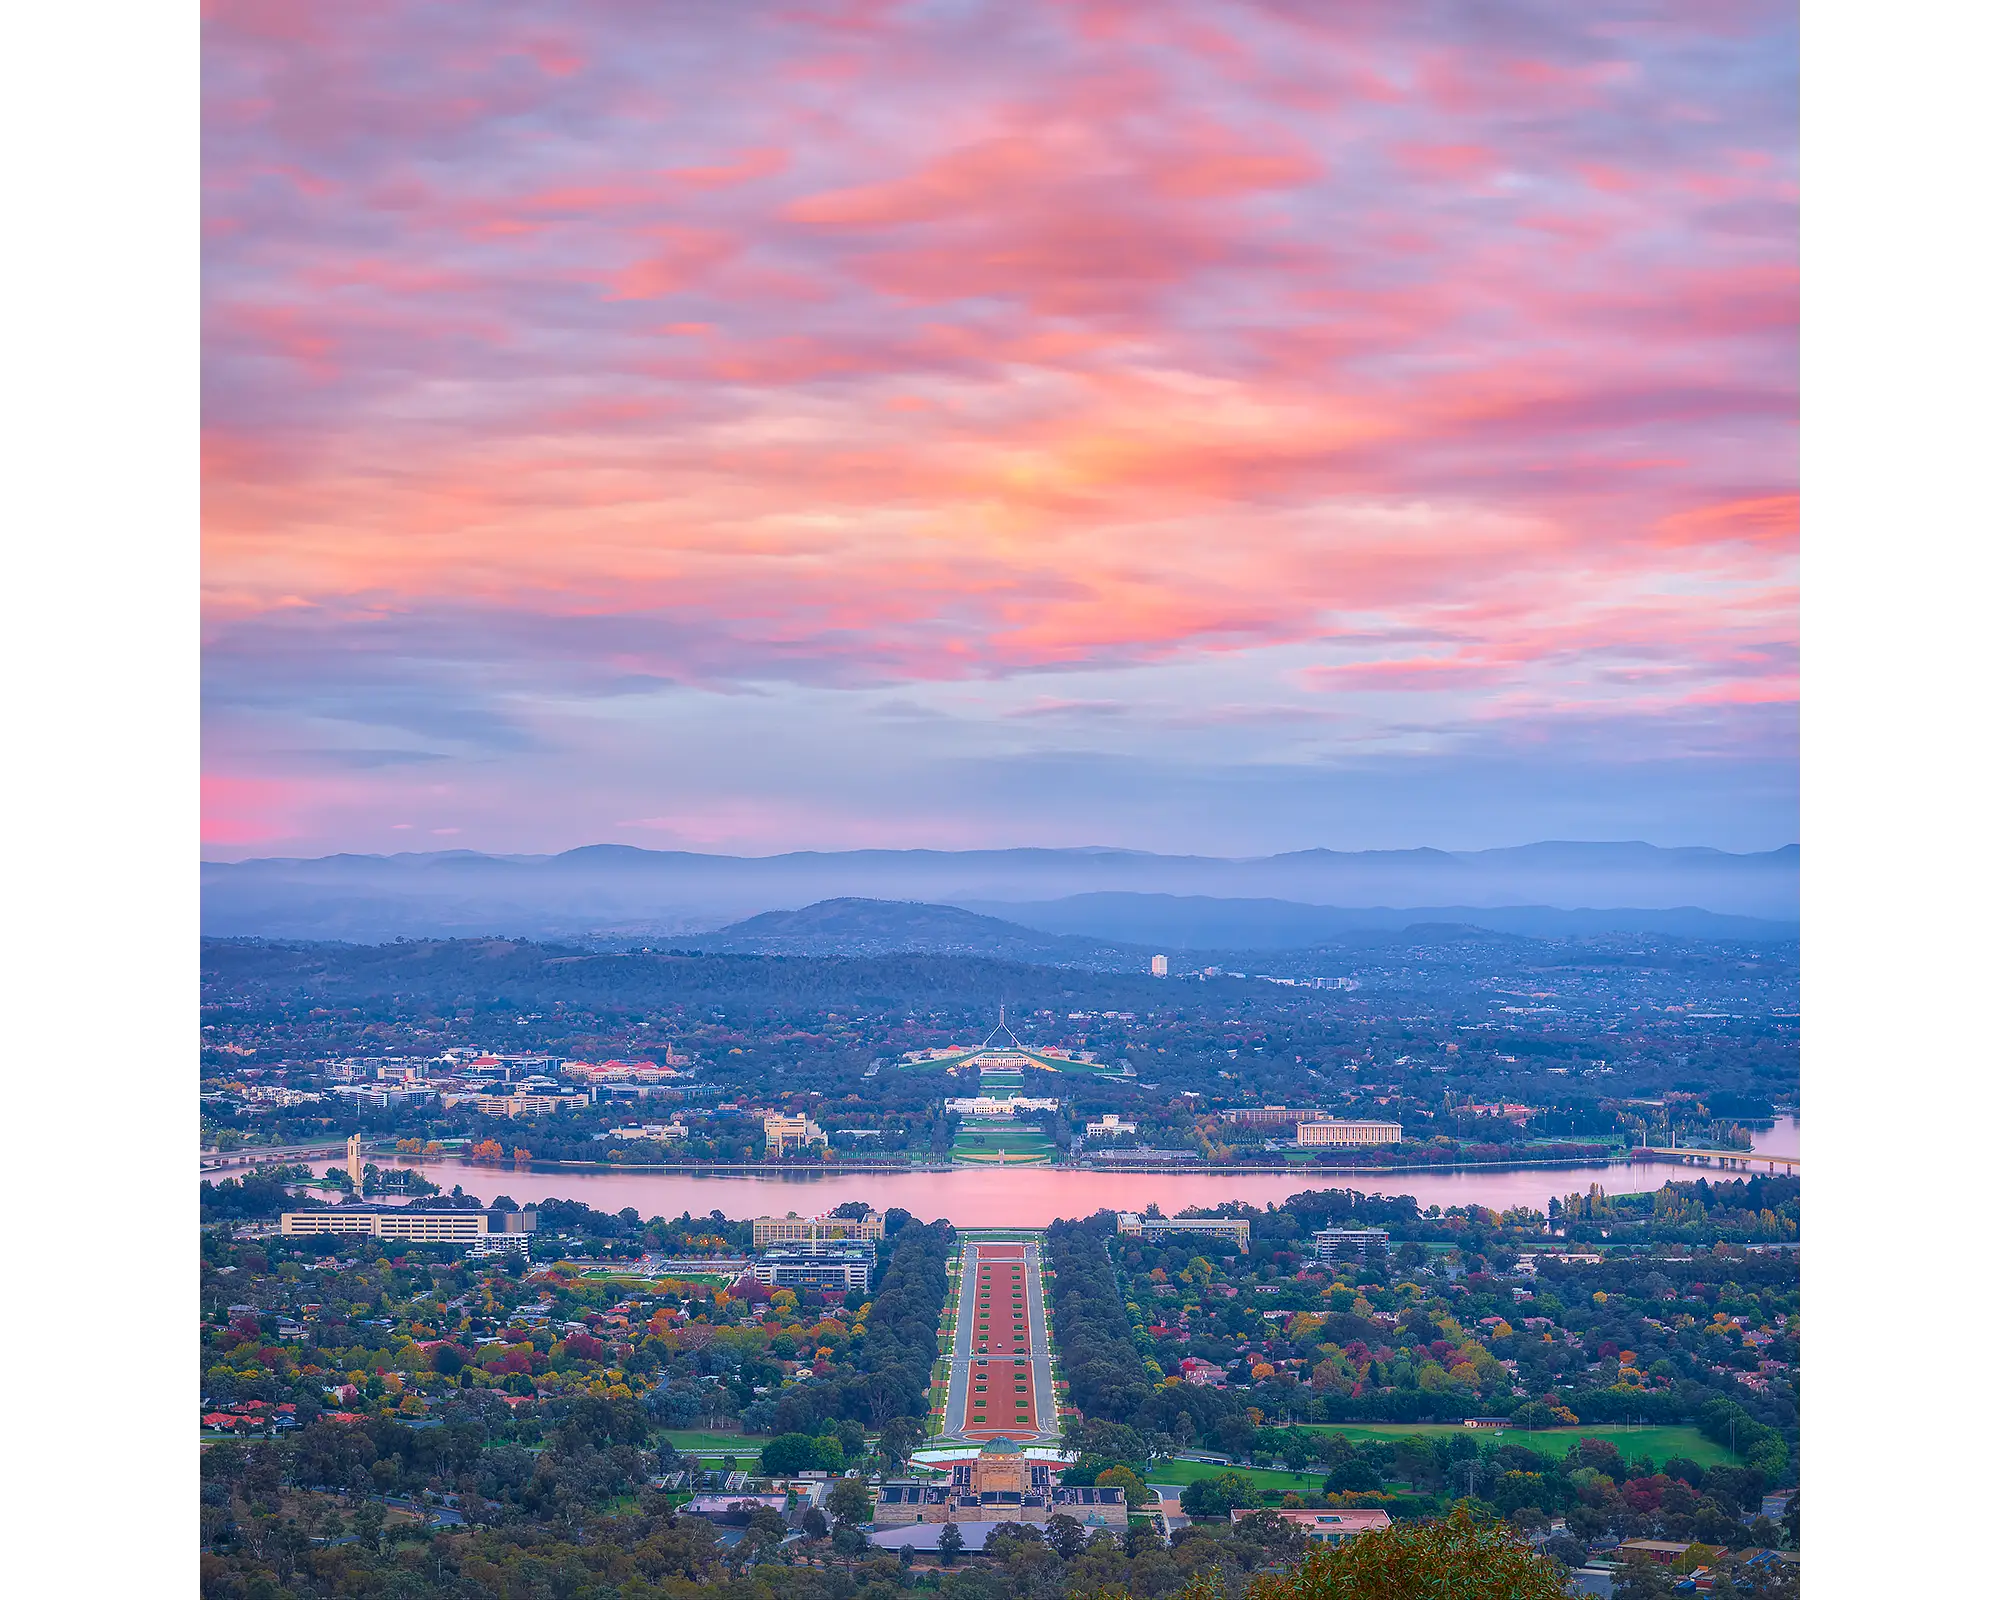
x,y
517,973
853,927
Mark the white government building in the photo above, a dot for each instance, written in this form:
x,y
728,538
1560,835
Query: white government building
x,y
1327,1131
986,1105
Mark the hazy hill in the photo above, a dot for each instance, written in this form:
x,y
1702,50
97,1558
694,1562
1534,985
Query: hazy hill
x,y
1198,922
854,927
615,888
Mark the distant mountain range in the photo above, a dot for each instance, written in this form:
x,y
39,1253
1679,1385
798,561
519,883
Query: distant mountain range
x,y
1197,922
1121,896
1120,932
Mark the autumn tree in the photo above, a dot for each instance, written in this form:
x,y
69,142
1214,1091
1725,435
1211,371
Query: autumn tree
x,y
1454,1558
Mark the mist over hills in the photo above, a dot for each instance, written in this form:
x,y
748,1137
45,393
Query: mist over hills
x,y
1199,922
1095,894
1113,932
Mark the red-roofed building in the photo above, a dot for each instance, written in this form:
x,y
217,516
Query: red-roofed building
x,y
1325,1527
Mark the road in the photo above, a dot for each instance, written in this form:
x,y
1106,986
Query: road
x,y
1002,1377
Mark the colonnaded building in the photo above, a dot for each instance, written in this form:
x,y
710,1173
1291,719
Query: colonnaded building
x,y
1328,1131
1000,1484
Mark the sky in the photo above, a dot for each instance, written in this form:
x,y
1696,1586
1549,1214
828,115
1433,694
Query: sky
x,y
1222,426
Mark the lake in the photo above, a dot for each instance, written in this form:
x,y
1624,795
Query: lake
x,y
1032,1197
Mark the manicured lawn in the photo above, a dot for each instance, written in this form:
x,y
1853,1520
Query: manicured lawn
x,y
998,1145
1185,1472
1004,1138
1661,1443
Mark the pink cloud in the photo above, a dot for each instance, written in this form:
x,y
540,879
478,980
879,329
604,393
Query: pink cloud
x,y
999,339
1421,674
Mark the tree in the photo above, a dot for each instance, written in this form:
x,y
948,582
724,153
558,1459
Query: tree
x,y
787,1454
1219,1495
1641,1580
1454,1558
950,1542
1066,1536
1123,1477
368,1519
849,1543
1141,1536
900,1436
766,1529
813,1523
849,1502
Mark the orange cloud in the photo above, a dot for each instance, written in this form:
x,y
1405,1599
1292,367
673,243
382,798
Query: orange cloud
x,y
1761,520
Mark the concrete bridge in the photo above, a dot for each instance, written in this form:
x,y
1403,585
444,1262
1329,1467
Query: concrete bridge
x,y
1744,1159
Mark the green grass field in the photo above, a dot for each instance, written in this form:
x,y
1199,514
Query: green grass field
x,y
1661,1443
1185,1472
982,1143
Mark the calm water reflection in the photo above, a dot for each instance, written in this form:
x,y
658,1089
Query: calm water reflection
x,y
1033,1197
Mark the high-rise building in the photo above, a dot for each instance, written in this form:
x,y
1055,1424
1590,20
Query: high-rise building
x,y
1159,966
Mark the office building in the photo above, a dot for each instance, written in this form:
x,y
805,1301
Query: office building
x,y
768,1231
657,1132
1159,966
794,1133
407,1222
1338,1244
1329,1132
1151,1228
838,1267
1267,1116
522,1103
380,1097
